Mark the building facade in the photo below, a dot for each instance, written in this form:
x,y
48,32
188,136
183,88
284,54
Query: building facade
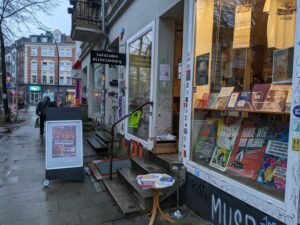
x,y
44,67
223,78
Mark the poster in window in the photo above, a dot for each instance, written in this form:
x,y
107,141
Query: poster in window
x,y
242,26
64,144
202,67
282,66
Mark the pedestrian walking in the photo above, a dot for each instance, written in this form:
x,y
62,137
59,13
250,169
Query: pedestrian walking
x,y
41,112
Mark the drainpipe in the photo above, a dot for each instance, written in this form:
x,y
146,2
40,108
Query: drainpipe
x,y
103,24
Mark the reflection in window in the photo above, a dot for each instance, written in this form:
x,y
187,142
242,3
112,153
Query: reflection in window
x,y
139,84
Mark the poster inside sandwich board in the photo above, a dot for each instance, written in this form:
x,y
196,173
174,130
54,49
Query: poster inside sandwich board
x,y
64,144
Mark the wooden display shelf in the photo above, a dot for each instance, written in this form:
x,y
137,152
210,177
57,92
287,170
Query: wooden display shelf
x,y
242,110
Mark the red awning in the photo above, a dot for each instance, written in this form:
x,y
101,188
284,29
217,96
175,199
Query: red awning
x,y
77,65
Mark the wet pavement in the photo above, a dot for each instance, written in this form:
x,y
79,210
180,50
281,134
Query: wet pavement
x,y
25,201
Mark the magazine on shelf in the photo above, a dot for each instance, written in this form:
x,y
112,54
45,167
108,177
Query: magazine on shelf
x,y
205,140
223,97
272,171
259,95
243,101
213,97
248,149
232,100
276,98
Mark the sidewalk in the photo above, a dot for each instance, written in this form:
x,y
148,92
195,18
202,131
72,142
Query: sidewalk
x,y
24,200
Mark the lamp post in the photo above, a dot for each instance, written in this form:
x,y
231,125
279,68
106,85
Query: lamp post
x,y
57,70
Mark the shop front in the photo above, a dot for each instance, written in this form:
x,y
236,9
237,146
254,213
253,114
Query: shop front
x,y
241,133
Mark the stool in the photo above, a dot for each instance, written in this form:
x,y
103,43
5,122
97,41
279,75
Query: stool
x,y
156,207
178,213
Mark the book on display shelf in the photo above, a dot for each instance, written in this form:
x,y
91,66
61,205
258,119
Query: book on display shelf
x,y
276,98
223,97
243,100
248,149
205,140
232,100
259,95
273,167
203,102
212,101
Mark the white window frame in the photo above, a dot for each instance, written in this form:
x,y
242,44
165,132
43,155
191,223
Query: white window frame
x,y
285,211
150,27
34,51
44,51
34,68
34,77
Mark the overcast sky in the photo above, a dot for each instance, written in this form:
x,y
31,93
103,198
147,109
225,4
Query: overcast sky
x,y
60,19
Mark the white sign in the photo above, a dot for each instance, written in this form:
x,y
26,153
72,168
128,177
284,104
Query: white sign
x,y
164,72
64,144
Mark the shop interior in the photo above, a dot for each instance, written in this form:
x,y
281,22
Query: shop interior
x,y
242,95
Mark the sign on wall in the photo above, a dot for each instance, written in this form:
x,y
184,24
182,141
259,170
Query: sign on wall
x,y
105,57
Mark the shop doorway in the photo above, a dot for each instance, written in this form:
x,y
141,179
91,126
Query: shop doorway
x,y
35,97
171,28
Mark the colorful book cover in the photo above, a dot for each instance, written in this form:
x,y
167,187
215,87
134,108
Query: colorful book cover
x,y
273,167
288,101
259,95
205,140
243,101
232,100
276,98
248,150
220,158
203,102
224,97
226,135
227,132
213,100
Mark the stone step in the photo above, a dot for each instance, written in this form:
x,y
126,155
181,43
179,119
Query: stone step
x,y
142,197
104,136
146,166
96,144
122,196
165,161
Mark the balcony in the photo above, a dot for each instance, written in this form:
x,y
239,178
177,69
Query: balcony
x,y
86,20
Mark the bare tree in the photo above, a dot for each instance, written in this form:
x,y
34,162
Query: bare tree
x,y
16,16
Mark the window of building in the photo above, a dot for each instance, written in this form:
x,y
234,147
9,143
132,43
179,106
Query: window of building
x,y
61,80
34,79
33,65
44,51
69,80
44,66
51,52
34,51
34,39
62,52
44,39
139,80
51,79
69,52
44,79
241,99
51,66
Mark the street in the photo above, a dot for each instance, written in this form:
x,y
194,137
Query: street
x,y
25,201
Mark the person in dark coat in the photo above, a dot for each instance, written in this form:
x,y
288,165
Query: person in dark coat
x,y
41,112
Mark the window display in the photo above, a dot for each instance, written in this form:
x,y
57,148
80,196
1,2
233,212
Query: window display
x,y
139,80
241,114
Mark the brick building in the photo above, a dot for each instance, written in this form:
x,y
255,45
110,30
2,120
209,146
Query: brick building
x,y
38,73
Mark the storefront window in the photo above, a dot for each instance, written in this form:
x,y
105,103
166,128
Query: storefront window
x,y
139,84
99,84
241,104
